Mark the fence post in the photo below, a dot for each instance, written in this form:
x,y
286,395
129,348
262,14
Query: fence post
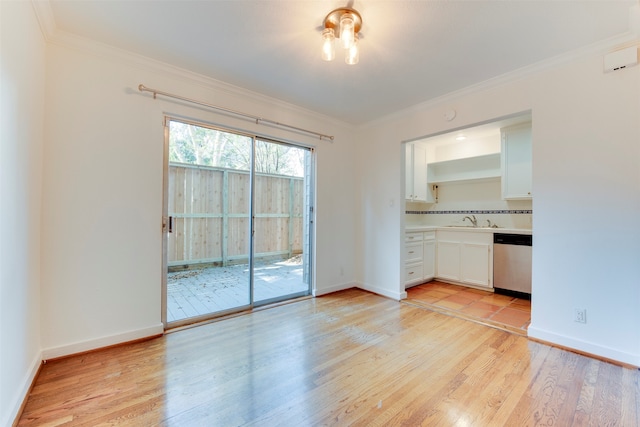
x,y
225,215
291,200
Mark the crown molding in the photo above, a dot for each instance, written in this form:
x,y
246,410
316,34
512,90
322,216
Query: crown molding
x,y
617,42
44,15
55,36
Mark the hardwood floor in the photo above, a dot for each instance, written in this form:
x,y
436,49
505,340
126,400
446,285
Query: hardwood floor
x,y
349,358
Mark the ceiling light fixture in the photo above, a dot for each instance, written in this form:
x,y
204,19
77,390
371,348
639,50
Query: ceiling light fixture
x,y
343,23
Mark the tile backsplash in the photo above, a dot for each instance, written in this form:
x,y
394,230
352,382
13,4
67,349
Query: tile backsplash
x,y
482,199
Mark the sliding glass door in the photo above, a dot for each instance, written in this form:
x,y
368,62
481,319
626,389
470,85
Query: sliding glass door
x,y
237,222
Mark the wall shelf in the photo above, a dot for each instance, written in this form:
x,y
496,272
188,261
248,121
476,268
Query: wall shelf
x,y
470,168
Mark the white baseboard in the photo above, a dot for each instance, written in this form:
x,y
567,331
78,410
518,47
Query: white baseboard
x,y
396,295
334,288
23,392
79,347
583,346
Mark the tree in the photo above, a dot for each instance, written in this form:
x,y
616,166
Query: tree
x,y
209,147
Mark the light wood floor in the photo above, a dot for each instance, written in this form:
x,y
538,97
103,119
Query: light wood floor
x,y
350,358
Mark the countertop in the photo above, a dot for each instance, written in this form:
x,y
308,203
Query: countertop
x,y
469,229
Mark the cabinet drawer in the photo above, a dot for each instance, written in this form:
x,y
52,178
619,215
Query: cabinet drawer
x,y
413,273
413,252
429,235
413,236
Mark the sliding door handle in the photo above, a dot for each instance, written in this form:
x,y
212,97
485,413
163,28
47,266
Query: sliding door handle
x,y
167,224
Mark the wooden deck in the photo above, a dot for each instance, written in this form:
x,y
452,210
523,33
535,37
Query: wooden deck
x,y
348,358
199,292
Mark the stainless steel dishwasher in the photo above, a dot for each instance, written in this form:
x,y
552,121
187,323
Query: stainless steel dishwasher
x,y
512,264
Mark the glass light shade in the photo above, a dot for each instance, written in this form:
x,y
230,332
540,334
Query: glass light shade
x,y
352,56
328,45
347,31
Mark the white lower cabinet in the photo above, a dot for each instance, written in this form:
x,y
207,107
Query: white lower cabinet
x,y
413,252
448,260
429,250
465,258
413,275
476,263
419,257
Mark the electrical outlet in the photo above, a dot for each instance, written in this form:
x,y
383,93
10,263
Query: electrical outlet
x,y
580,315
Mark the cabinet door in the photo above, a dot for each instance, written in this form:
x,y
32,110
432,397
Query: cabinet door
x,y
420,173
448,260
475,264
516,162
408,165
429,263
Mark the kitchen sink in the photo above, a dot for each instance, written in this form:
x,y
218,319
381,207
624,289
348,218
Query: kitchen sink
x,y
471,226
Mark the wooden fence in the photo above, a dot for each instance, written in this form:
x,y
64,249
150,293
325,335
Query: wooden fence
x,y
210,210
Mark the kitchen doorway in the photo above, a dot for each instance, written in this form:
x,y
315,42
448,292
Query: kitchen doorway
x,y
238,218
467,191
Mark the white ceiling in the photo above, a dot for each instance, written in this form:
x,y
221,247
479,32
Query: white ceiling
x,y
411,51
477,132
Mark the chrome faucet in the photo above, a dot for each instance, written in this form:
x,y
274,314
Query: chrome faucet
x,y
491,225
471,219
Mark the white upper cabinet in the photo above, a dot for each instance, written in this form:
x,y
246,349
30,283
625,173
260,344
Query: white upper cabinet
x,y
408,165
516,162
417,189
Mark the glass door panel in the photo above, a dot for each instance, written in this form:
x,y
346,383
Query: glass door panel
x,y
208,206
282,201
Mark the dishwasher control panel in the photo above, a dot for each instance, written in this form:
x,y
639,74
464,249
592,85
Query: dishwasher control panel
x,y
512,239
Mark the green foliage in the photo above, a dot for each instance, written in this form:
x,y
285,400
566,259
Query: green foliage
x,y
202,146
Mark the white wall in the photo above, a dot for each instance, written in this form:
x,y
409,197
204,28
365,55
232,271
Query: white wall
x,y
586,178
22,59
586,210
379,175
102,201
